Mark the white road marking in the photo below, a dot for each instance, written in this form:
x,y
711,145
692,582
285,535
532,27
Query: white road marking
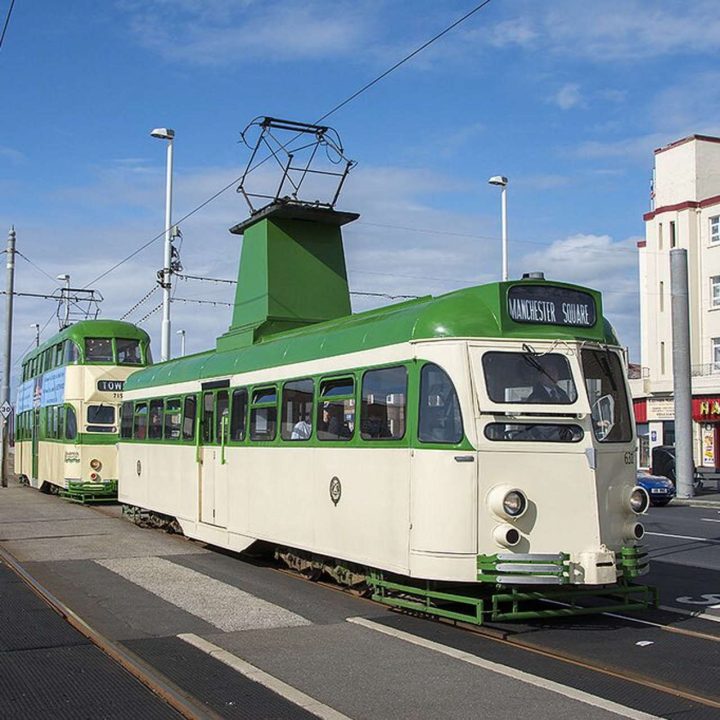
x,y
224,606
685,537
510,672
691,613
710,520
269,681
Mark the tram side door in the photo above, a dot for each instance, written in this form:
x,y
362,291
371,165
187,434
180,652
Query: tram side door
x,y
35,441
213,475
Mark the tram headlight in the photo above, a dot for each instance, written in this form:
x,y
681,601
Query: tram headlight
x,y
506,535
639,500
507,502
96,465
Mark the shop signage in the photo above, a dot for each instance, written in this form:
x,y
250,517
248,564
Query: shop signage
x,y
706,409
660,409
547,305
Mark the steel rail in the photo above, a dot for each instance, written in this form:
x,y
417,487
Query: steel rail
x,y
503,637
186,705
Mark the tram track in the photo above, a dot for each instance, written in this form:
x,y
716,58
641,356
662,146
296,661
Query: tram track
x,y
187,706
508,639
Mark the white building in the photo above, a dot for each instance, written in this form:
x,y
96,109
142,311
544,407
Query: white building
x,y
685,214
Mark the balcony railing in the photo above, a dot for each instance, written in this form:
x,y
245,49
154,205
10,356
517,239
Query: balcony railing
x,y
705,369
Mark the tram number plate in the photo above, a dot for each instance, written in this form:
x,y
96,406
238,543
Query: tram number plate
x,y
115,386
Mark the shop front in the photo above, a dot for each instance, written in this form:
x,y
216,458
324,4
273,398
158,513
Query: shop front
x,y
706,413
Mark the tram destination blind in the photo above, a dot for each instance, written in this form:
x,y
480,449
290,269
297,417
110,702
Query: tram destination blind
x,y
545,305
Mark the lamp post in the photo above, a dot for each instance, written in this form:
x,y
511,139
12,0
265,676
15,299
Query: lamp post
x,y
66,279
166,134
181,333
502,182
37,333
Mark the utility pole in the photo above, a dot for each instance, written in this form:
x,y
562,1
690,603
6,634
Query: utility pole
x,y
682,389
5,408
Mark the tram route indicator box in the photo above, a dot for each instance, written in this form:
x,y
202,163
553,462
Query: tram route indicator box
x,y
547,305
110,385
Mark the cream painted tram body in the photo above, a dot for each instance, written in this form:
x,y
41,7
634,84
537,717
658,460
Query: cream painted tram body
x,y
417,441
68,407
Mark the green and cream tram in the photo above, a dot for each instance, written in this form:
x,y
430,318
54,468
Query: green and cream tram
x,y
68,406
456,452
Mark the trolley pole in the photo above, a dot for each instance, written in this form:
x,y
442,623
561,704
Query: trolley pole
x,y
5,408
682,389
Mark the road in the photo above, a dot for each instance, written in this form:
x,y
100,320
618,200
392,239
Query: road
x,y
684,545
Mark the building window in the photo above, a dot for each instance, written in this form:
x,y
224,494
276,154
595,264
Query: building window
x,y
662,358
673,235
715,228
660,237
662,296
715,291
716,354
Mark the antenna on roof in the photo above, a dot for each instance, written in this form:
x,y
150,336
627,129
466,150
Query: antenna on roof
x,y
303,167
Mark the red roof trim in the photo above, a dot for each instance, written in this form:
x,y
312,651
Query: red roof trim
x,y
641,243
683,205
704,138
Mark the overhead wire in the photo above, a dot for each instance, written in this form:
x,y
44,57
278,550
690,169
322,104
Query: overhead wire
x,y
7,22
337,107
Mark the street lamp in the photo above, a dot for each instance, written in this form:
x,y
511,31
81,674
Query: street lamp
x,y
66,279
37,333
181,333
166,134
502,182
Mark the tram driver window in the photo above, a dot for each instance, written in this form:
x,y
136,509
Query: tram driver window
x,y
528,377
100,418
70,424
440,420
382,415
98,350
140,421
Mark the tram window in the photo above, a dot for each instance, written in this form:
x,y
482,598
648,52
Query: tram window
x,y
440,419
58,355
239,411
336,409
222,419
71,353
173,418
263,414
61,422
189,412
70,424
155,420
533,432
54,422
100,418
128,352
297,406
605,383
126,420
513,377
207,417
98,350
382,415
140,421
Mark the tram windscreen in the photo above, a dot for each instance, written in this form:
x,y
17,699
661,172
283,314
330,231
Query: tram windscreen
x,y
604,380
526,377
101,418
98,350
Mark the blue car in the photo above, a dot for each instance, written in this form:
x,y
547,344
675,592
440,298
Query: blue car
x,y
659,488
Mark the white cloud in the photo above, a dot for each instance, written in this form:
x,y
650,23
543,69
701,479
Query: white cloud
x,y
568,96
218,33
599,262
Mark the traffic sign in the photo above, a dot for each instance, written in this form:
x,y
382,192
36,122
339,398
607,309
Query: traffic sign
x,y
6,410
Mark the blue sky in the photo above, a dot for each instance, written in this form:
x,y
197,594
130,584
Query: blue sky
x,y
566,99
